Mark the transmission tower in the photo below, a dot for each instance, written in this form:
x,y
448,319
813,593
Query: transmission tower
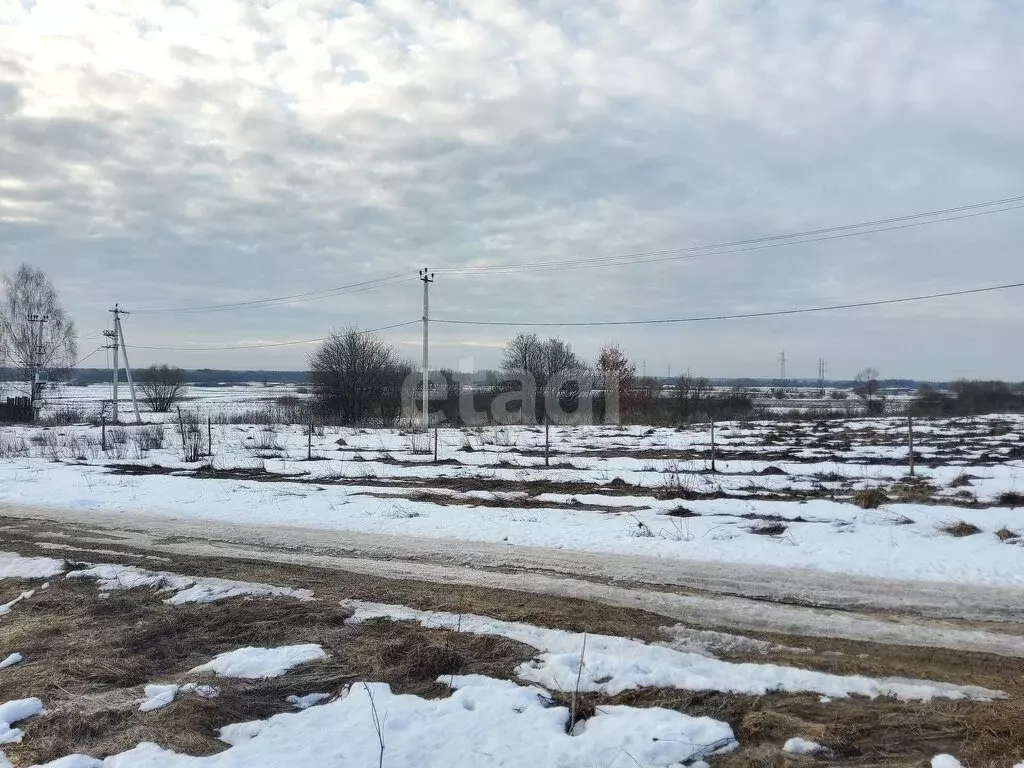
x,y
782,369
821,377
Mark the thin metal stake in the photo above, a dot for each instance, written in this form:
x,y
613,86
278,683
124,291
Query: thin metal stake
x,y
910,437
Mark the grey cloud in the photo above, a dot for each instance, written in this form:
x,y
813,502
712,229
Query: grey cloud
x,y
322,149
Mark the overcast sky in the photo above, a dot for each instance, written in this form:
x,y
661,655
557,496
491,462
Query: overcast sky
x,y
180,153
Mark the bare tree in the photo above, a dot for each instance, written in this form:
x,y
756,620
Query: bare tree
x,y
548,364
618,376
162,386
28,297
351,375
691,393
867,388
614,367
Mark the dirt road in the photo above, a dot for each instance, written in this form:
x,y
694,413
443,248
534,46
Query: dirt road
x,y
765,599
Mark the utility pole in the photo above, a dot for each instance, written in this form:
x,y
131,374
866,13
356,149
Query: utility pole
x,y
36,361
427,277
127,366
115,345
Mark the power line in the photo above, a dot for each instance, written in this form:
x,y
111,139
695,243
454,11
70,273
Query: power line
x,y
758,243
268,344
740,316
98,349
365,285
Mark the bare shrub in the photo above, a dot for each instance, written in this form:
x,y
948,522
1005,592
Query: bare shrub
x,y
63,417
162,386
13,447
190,428
267,439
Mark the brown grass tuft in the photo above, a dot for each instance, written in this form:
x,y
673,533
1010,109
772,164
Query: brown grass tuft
x,y
960,529
870,498
1005,534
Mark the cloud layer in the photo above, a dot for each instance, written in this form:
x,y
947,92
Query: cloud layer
x,y
167,153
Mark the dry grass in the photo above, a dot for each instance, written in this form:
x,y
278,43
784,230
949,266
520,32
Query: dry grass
x,y
90,672
1005,534
870,498
914,490
960,529
1011,499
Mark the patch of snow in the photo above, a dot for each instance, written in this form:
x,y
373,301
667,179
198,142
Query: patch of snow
x,y
10,661
158,696
798,746
13,712
307,701
946,761
188,589
615,664
485,722
14,566
260,663
6,607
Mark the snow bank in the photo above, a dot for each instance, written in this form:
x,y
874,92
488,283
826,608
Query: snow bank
x,y
10,661
946,761
188,589
616,664
14,566
260,663
13,712
486,723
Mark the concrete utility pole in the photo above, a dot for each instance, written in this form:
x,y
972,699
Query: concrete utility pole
x,y
127,366
37,358
427,278
115,345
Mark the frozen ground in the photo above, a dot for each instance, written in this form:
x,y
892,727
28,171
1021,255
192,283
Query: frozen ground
x,y
831,497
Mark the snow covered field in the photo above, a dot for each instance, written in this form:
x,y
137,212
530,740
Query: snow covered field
x,y
831,496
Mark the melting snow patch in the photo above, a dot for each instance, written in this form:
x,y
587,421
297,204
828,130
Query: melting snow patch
x,y
6,607
485,723
946,761
10,661
307,701
615,664
158,696
14,566
188,589
798,746
260,663
13,712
